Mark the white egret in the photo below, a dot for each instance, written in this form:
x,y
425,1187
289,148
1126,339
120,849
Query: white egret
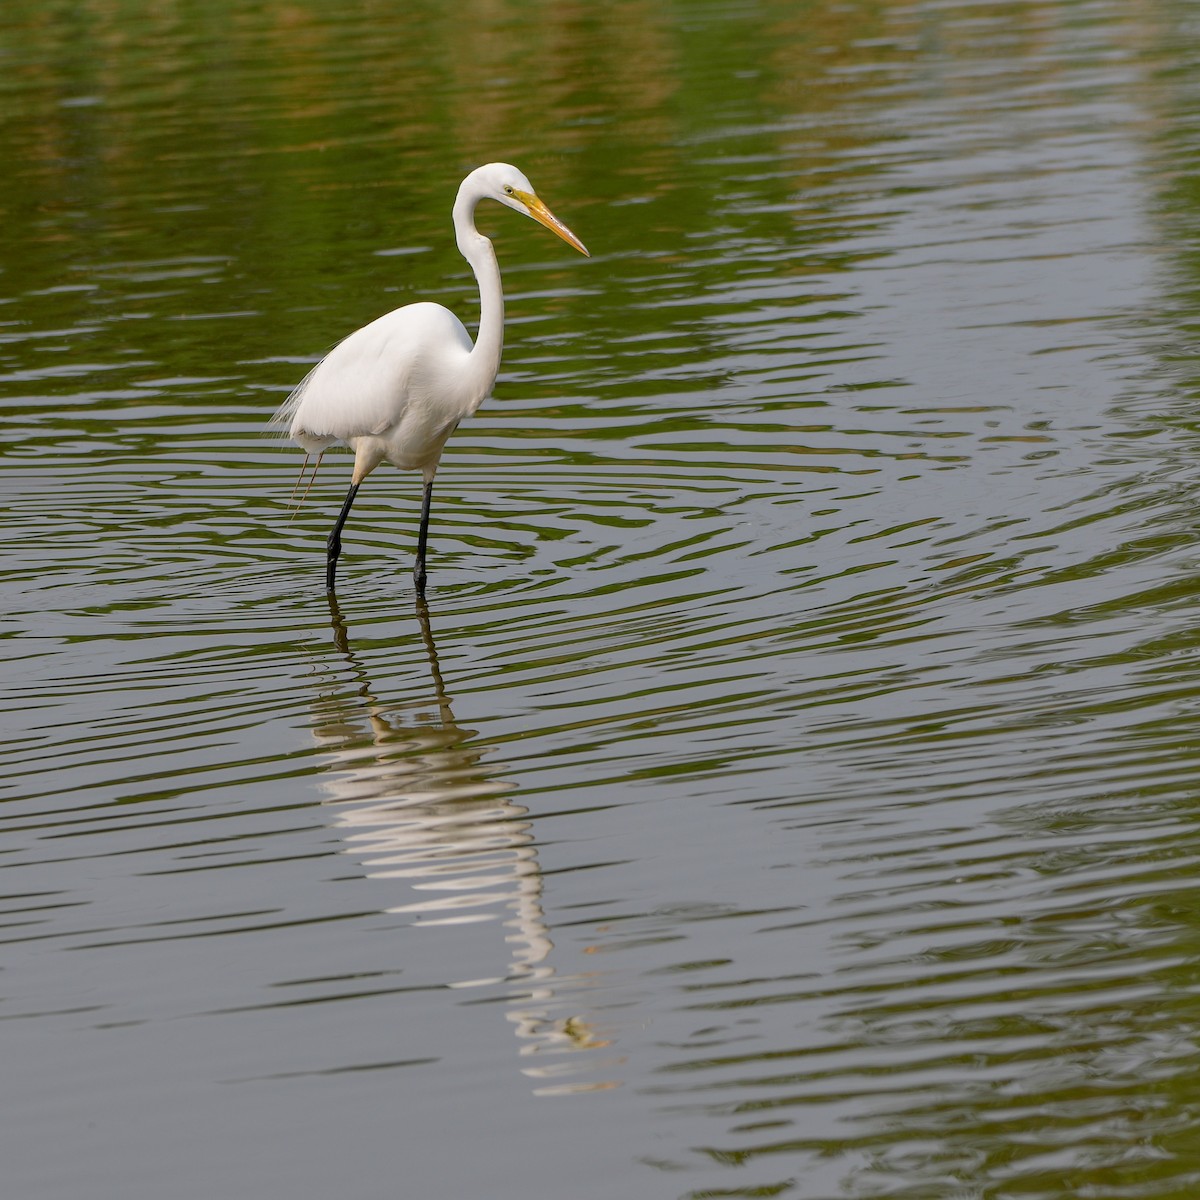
x,y
397,388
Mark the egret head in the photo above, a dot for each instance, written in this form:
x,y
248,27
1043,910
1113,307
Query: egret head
x,y
508,185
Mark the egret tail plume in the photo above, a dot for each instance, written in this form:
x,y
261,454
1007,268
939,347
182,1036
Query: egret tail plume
x,y
299,480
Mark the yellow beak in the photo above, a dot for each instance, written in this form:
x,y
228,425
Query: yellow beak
x,y
540,213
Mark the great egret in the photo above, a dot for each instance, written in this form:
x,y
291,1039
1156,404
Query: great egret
x,y
397,388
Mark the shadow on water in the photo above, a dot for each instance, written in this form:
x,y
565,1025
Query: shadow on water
x,y
416,799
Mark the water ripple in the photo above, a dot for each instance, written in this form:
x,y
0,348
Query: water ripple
x,y
792,766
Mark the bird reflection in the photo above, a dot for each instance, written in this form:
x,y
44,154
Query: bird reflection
x,y
416,799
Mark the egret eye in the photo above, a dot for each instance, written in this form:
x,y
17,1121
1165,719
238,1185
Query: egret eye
x,y
508,189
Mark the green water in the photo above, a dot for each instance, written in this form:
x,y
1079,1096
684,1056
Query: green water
x,y
790,786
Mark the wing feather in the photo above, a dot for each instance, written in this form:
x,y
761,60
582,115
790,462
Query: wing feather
x,y
365,384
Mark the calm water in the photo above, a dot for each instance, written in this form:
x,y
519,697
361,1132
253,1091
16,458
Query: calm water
x,y
792,786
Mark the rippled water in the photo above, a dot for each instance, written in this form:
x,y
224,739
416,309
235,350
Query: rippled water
x,y
790,786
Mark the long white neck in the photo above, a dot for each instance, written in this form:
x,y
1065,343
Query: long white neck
x,y
477,250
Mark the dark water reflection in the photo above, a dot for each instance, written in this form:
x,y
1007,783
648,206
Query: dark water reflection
x,y
791,786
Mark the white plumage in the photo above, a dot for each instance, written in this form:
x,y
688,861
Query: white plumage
x,y
396,389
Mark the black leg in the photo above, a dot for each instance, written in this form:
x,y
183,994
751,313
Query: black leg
x,y
334,546
422,538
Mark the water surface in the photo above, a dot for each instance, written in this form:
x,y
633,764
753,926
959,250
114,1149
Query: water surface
x,y
789,786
